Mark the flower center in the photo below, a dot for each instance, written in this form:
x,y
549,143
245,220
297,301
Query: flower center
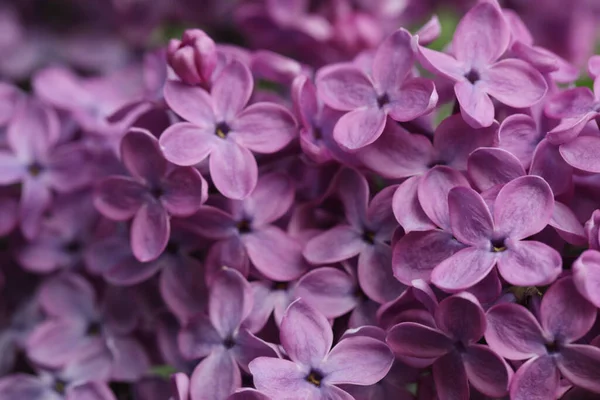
x,y
280,285
368,236
73,246
244,226
35,169
229,342
59,386
172,247
94,329
472,76
383,100
553,347
460,347
315,378
157,192
498,245
222,129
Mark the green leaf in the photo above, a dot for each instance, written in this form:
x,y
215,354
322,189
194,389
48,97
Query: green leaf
x,y
164,371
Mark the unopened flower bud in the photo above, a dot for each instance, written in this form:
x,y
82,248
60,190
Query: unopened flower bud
x,y
194,57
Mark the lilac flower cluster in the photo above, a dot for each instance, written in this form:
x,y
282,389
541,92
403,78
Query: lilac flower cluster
x,y
351,212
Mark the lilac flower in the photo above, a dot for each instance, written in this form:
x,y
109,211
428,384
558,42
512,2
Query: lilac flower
x,y
480,39
35,159
222,127
367,228
193,58
548,346
522,208
156,191
76,324
391,91
315,369
452,346
247,228
221,339
586,276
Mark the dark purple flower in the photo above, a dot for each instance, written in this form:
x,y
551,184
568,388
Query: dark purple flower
x,y
452,347
315,369
222,127
548,346
155,191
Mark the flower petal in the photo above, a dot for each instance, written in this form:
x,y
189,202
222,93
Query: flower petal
x,y
357,361
476,107
393,60
461,317
582,153
580,364
486,371
328,290
119,197
150,231
523,207
407,209
567,225
416,97
538,377
450,377
231,90
278,378
415,340
513,332
514,83
519,135
353,191
586,276
186,144
35,199
463,269
442,64
345,88
305,334
192,103
491,166
216,377
264,127
470,218
230,301
548,163
375,275
271,199
248,347
24,386
359,128
184,191
142,157
529,263
337,244
233,170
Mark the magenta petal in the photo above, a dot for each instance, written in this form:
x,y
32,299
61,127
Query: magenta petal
x,y
570,103
192,103
393,60
359,128
489,166
328,290
12,168
186,144
353,191
565,313
305,334
216,377
418,253
514,333
470,218
375,275
416,97
461,317
198,338
278,378
476,107
184,191
270,200
529,263
450,377
150,231
89,391
586,276
233,170
582,153
538,377
248,347
213,223
567,225
482,35
275,254
119,197
463,269
442,64
337,244
415,340
23,386
344,87
130,271
407,209
142,157
580,364
433,193
486,371
357,361
55,342
548,163
231,90
523,207
519,135
569,128
264,127
230,301
515,83
35,199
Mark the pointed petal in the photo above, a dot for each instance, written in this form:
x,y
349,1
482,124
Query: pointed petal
x,y
186,144
345,88
264,127
538,377
230,301
415,340
580,364
487,371
514,83
305,334
514,333
359,128
150,231
463,269
529,263
523,207
231,90
470,218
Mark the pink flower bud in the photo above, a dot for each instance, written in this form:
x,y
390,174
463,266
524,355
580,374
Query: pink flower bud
x,y
194,57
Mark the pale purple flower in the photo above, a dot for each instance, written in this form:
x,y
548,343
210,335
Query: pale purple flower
x,y
221,339
246,228
368,101
156,191
480,40
315,369
67,385
193,58
586,276
522,208
365,233
547,346
451,344
222,128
